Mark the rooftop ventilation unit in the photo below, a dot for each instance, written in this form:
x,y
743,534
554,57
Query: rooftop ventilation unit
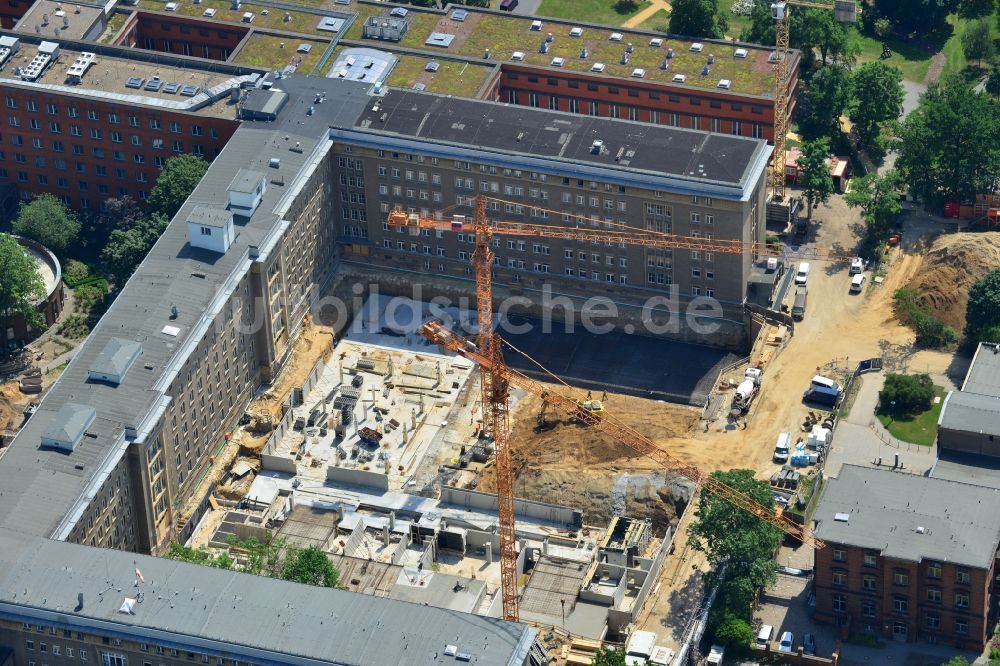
x,y
842,517
665,63
630,48
697,47
656,42
210,229
772,56
543,48
638,73
597,67
8,47
740,53
724,84
624,59
68,426
679,78
517,55
246,192
114,361
711,58
615,37
80,66
706,70
432,67
670,53
170,7
558,62
459,15
584,53
536,26
596,147
550,38
576,32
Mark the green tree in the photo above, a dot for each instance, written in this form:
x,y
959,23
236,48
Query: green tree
x,y
906,394
310,566
993,81
698,18
877,91
982,314
814,173
735,538
824,102
949,146
21,287
184,553
46,220
735,634
977,42
920,16
956,661
878,200
179,177
821,30
970,9
126,248
606,656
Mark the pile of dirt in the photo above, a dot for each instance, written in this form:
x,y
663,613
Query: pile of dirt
x,y
953,263
567,463
12,404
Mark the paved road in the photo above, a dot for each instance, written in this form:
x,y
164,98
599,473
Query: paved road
x,y
527,7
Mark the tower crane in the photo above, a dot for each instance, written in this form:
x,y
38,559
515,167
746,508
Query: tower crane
x,y
845,11
496,377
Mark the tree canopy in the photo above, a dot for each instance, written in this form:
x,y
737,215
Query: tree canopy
x,y
877,97
310,566
809,29
606,656
175,183
48,221
878,200
126,248
21,287
814,173
823,102
949,146
906,394
982,314
977,41
698,18
920,16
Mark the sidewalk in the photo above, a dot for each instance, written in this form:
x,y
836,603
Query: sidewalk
x,y
648,12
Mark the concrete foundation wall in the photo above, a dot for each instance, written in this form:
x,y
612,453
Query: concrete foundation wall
x,y
277,463
357,477
355,541
475,500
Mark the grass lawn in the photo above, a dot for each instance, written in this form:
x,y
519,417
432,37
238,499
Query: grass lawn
x,y
657,21
910,58
115,23
452,78
275,18
266,51
737,24
919,429
591,11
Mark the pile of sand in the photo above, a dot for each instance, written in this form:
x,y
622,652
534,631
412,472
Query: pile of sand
x,y
948,270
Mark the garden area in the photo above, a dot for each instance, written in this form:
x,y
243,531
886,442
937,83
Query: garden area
x,y
909,407
606,12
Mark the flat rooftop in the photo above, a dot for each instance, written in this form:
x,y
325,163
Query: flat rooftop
x,y
909,517
60,20
971,412
664,156
504,34
44,491
983,376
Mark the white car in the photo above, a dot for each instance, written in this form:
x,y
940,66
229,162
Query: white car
x,y
786,642
857,283
857,266
803,273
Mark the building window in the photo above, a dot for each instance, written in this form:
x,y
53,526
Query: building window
x,y
839,603
840,578
933,621
961,626
112,659
962,599
900,604
934,570
868,583
900,577
934,595
962,576
868,609
869,558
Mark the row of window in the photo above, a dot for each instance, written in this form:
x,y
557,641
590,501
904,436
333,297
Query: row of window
x,y
932,619
113,118
636,92
870,584
187,48
934,569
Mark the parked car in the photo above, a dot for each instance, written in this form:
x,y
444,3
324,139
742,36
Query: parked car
x,y
781,447
857,283
508,5
803,273
857,265
809,645
786,642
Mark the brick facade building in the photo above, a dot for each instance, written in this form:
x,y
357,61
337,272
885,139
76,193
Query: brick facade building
x,y
908,558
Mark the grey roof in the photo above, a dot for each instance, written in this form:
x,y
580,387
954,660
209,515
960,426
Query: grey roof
x,y
69,424
116,358
672,157
265,102
43,490
960,521
361,63
253,618
983,376
967,468
246,181
970,412
209,216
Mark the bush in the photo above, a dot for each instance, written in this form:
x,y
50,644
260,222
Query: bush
x,y
913,312
89,295
906,394
75,272
74,327
735,634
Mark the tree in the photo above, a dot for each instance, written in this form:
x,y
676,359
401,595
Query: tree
x,y
877,91
698,18
949,146
46,220
820,30
920,16
876,196
735,634
970,9
824,102
977,42
735,538
179,177
606,656
906,394
993,81
126,248
310,566
814,173
21,287
956,661
982,314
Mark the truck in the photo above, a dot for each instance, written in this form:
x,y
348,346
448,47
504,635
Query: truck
x,y
642,649
715,655
747,390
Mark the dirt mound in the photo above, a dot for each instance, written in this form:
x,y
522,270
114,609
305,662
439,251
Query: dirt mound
x,y
953,264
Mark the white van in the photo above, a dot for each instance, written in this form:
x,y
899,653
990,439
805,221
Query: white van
x,y
782,447
857,283
764,636
803,273
821,382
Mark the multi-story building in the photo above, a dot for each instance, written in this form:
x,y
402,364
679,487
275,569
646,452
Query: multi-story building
x,y
98,122
425,153
969,424
908,557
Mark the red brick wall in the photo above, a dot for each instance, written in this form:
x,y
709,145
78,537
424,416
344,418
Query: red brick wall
x,y
11,11
920,607
181,35
35,160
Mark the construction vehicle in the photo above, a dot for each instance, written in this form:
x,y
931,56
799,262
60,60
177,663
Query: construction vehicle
x,y
595,407
746,391
495,376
